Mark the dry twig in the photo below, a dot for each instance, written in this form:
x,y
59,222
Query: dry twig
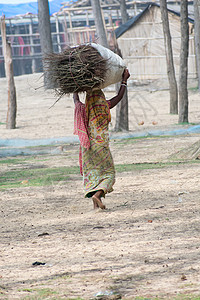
x,y
76,69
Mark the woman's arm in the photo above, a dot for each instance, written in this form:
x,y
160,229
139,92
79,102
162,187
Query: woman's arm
x,y
115,100
76,97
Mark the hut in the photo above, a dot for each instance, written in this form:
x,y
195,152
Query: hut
x,y
140,39
70,25
141,42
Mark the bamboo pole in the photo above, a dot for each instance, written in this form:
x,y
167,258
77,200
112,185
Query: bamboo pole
x,y
58,34
104,23
197,37
33,64
12,103
71,27
87,24
66,30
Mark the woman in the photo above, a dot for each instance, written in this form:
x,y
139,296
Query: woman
x,y
91,125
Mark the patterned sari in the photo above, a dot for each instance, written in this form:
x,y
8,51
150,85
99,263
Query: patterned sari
x,y
96,160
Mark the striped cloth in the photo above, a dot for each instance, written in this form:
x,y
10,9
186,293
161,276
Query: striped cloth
x,y
81,124
98,166
91,125
81,129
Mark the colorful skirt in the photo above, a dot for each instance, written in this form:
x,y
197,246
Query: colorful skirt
x,y
98,169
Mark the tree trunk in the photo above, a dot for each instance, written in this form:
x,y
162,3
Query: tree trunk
x,y
122,121
12,102
183,91
45,35
169,59
123,11
122,107
101,33
122,113
197,37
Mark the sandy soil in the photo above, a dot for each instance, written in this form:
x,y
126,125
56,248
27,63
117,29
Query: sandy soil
x,y
37,119
146,243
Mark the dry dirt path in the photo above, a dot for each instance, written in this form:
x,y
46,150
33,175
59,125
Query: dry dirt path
x,y
147,242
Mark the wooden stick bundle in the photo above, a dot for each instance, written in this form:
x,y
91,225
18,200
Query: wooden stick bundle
x,y
76,69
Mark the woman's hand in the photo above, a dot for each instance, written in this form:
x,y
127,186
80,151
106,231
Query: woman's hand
x,y
75,97
115,100
125,75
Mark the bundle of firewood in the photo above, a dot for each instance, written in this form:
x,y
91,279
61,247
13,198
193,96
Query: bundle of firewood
x,y
76,69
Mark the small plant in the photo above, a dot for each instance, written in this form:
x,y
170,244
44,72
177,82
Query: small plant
x,y
40,294
36,176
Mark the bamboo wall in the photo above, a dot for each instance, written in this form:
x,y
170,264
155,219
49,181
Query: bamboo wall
x,y
143,48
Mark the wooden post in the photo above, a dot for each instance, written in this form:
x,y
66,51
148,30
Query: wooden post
x,y
104,24
197,37
66,32
135,9
122,120
12,103
122,123
169,59
58,34
88,25
33,61
71,28
45,36
183,73
123,11
99,22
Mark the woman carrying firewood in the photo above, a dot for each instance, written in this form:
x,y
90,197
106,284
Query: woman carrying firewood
x,y
91,122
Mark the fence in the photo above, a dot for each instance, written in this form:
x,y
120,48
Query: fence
x,y
23,34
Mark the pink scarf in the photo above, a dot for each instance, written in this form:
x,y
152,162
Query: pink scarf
x,y
80,129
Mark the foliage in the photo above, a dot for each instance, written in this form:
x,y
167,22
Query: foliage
x,y
146,166
25,173
35,176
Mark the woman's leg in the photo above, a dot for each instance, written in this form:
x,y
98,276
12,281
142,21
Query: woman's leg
x,y
97,200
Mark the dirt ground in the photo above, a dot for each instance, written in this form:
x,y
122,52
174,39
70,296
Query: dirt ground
x,y
146,244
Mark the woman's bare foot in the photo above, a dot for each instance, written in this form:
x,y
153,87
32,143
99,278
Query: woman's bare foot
x,y
97,203
97,200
